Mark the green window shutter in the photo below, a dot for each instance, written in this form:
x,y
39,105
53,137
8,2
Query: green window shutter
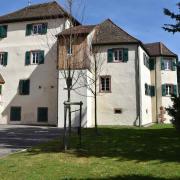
x,y
174,65
175,90
15,114
41,53
21,82
125,55
28,29
162,64
0,89
44,28
163,90
26,87
151,64
27,58
110,55
152,91
42,114
3,31
5,58
146,89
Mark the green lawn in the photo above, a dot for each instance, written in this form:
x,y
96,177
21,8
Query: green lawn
x,y
117,153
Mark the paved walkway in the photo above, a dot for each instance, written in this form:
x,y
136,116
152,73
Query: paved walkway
x,y
18,137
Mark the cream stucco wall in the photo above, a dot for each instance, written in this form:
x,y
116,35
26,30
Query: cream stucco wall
x,y
43,78
146,101
123,89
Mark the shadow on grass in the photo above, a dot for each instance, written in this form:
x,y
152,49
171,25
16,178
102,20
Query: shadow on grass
x,y
161,143
132,177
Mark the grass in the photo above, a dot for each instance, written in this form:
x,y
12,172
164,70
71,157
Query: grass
x,y
117,153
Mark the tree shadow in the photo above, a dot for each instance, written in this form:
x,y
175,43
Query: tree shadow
x,y
161,144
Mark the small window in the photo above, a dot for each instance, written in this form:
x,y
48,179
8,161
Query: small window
x,y
118,111
105,84
117,55
169,89
35,57
167,64
3,31
36,29
42,114
146,60
24,87
15,114
69,49
3,58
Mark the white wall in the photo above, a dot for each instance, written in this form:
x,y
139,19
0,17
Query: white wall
x,y
146,101
45,75
123,89
79,93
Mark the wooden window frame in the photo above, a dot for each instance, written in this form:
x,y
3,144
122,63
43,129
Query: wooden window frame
x,y
100,86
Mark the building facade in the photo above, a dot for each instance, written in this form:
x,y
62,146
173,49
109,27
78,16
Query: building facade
x,y
135,83
134,80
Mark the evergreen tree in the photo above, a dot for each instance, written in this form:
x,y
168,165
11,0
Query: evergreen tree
x,y
173,27
174,112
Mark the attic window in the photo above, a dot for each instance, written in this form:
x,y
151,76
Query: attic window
x,y
118,111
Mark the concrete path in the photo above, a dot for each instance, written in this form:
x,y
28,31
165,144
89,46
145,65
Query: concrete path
x,y
14,138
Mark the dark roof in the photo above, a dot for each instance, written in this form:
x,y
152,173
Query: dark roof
x,y
36,12
158,49
110,33
86,29
1,80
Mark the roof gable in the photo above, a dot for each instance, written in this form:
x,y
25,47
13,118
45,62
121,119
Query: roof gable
x,y
158,49
36,12
110,33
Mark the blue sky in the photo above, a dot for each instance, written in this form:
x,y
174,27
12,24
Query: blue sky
x,y
141,18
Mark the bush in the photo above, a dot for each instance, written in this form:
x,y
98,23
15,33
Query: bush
x,y
174,112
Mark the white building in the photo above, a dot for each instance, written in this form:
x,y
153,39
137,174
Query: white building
x,y
135,81
28,60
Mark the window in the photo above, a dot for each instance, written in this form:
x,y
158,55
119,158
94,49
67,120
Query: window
x,y
69,49
24,87
117,55
3,58
42,114
3,31
35,29
105,84
169,89
149,62
168,64
149,90
118,111
34,57
15,114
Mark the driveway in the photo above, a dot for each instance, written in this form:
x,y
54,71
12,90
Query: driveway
x,y
14,138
